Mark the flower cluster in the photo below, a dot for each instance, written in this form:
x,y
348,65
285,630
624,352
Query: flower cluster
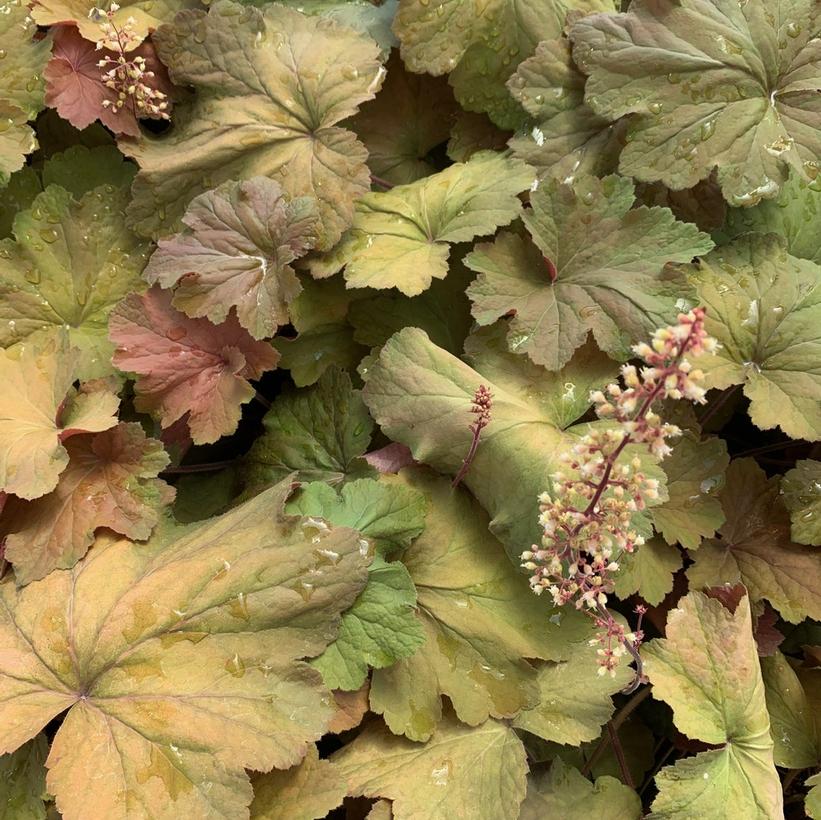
x,y
587,519
127,77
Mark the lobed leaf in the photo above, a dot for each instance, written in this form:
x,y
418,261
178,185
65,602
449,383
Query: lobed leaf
x,y
801,491
754,547
110,481
479,624
72,261
707,670
709,84
380,627
563,792
483,767
236,251
319,433
187,367
271,86
594,264
401,238
179,661
763,306
39,410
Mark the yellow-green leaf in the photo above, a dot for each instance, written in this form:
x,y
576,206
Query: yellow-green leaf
x,y
801,489
307,791
707,670
179,661
73,260
23,781
479,621
695,472
401,238
271,84
562,792
754,547
764,307
461,771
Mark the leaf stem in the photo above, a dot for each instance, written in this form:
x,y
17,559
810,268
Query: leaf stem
x,y
616,744
383,183
262,400
616,721
713,408
198,468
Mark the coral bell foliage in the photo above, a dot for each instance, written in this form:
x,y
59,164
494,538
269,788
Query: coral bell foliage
x,y
332,331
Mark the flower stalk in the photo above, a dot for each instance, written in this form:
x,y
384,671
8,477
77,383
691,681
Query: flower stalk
x,y
587,520
127,77
481,407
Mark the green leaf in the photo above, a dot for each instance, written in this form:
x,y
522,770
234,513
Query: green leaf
x,y
709,84
22,188
421,396
481,45
73,260
272,85
377,631
594,264
307,791
16,140
442,311
574,701
325,339
380,627
200,496
793,729
79,169
648,571
795,215
410,116
764,307
707,670
813,800
754,547
319,432
179,661
313,352
483,768
24,59
386,512
236,252
695,471
39,409
563,792
23,775
479,618
401,238
801,491
567,139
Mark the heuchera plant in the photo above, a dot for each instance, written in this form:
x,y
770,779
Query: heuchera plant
x,y
332,331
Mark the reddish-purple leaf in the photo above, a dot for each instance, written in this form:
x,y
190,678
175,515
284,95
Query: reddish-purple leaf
x,y
186,365
74,83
